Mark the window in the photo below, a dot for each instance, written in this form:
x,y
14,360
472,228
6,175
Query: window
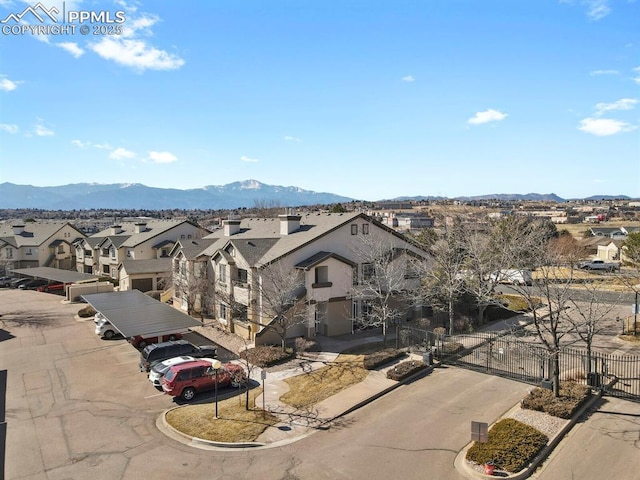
x,y
365,228
189,237
223,311
322,274
88,253
242,275
9,252
105,252
182,237
164,253
222,273
354,229
60,248
112,252
29,251
355,275
368,270
105,269
129,253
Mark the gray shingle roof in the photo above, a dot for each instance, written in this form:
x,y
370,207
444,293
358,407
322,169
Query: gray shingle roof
x,y
155,265
320,257
35,233
275,245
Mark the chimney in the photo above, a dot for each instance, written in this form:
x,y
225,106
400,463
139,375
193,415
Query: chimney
x,y
116,229
230,227
140,227
289,223
18,228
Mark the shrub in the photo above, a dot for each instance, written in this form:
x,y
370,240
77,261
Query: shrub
x,y
451,347
405,369
267,356
512,446
86,312
374,360
305,345
572,396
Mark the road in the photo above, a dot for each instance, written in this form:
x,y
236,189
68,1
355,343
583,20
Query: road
x,y
78,408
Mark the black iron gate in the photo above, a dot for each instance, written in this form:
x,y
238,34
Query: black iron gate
x,y
503,354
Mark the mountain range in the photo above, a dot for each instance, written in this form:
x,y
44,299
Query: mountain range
x,y
246,193
83,196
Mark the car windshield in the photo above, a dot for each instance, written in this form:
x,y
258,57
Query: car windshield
x,y
170,374
160,368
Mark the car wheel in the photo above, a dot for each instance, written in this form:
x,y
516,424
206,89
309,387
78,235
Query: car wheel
x,y
141,344
172,337
188,394
109,334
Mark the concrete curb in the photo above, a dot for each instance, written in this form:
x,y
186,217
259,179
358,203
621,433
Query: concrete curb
x,y
468,471
163,425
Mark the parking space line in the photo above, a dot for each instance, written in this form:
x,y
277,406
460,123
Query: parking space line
x,y
153,396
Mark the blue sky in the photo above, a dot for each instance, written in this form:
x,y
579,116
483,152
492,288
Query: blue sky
x,y
368,99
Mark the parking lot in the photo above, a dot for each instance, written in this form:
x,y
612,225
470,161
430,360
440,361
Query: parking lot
x,y
70,390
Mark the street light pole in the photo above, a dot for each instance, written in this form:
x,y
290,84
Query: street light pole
x,y
215,365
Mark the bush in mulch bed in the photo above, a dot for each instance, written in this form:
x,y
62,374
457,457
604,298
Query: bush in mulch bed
x,y
512,446
451,347
305,345
405,369
376,359
87,312
572,396
267,356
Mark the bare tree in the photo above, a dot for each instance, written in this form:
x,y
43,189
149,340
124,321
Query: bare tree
x,y
551,292
385,279
443,278
281,292
193,286
588,315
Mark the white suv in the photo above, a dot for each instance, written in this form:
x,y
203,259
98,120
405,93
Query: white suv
x,y
104,327
159,369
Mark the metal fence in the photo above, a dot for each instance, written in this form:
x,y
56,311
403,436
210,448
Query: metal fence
x,y
502,354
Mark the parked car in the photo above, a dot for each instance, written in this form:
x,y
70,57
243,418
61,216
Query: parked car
x,y
159,369
157,352
16,282
6,281
104,327
188,379
513,276
52,287
599,264
140,342
32,284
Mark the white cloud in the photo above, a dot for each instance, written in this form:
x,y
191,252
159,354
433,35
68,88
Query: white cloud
x,y
637,79
408,78
487,116
131,51
604,72
162,157
622,104
290,138
72,48
597,9
7,85
603,127
121,154
249,159
41,130
9,128
80,143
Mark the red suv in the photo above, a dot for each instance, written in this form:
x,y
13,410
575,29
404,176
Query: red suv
x,y
187,379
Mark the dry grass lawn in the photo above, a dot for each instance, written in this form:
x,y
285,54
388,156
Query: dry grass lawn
x,y
234,422
310,388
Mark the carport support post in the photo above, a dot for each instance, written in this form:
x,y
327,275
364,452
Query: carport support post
x,y
3,423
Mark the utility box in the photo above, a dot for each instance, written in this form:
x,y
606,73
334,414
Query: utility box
x,y
427,358
593,379
546,383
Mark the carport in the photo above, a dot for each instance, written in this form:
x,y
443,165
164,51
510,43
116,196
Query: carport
x,y
57,275
133,313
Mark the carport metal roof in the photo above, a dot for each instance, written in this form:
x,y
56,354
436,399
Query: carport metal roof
x,y
63,276
133,313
